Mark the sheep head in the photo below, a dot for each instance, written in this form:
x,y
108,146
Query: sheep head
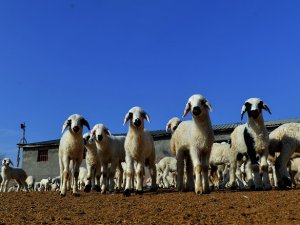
x,y
100,132
197,105
254,106
6,162
75,123
136,115
173,124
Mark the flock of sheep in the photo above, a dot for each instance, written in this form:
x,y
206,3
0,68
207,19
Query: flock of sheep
x,y
254,160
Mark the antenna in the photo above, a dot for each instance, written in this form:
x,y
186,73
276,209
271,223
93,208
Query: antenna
x,y
22,142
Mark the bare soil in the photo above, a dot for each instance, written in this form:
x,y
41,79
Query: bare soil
x,y
163,207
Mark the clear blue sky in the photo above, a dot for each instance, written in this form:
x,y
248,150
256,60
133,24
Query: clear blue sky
x,y
100,58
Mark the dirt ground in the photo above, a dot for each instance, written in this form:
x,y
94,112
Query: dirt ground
x,y
163,207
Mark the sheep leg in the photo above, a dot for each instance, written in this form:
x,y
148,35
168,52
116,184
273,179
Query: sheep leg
x,y
180,170
281,166
197,171
153,171
190,174
139,177
97,178
112,173
76,174
120,177
238,174
232,172
104,178
88,185
129,175
165,174
265,170
65,175
248,170
204,172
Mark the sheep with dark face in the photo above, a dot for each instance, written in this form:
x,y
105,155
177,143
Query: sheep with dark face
x,y
251,140
192,141
71,148
139,148
8,173
111,151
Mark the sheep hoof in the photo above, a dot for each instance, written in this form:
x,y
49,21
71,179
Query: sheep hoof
x,y
259,188
75,194
62,195
252,187
139,192
126,193
97,188
287,182
153,189
87,188
267,187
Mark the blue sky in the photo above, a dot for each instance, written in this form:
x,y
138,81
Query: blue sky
x,y
100,58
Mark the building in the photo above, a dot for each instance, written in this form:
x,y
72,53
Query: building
x,y
40,159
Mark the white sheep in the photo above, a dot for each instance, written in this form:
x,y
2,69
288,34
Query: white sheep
x,y
30,183
111,151
45,184
173,124
92,163
164,167
82,177
139,149
252,141
71,147
194,139
9,173
285,140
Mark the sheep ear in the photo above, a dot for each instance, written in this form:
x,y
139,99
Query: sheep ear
x,y
84,122
208,105
187,109
243,111
146,116
168,127
127,117
265,107
67,123
107,132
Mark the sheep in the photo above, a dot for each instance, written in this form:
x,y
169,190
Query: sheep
x,y
111,150
45,184
92,163
82,177
294,168
173,124
251,140
165,166
192,140
30,183
285,140
139,149
71,148
9,173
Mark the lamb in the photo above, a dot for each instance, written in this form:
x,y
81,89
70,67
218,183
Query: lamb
x,y
45,184
194,139
9,173
30,183
173,124
286,140
164,167
92,163
71,148
251,140
111,150
139,149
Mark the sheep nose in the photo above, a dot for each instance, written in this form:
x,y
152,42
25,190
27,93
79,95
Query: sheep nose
x,y
254,113
196,110
76,129
100,137
137,122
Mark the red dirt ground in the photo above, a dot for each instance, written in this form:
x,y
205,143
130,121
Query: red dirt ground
x,y
164,207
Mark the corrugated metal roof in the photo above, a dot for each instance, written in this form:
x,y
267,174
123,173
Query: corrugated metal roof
x,y
157,134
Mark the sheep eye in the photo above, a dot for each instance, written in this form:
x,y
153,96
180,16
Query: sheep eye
x,y
69,122
130,115
260,104
203,102
248,105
